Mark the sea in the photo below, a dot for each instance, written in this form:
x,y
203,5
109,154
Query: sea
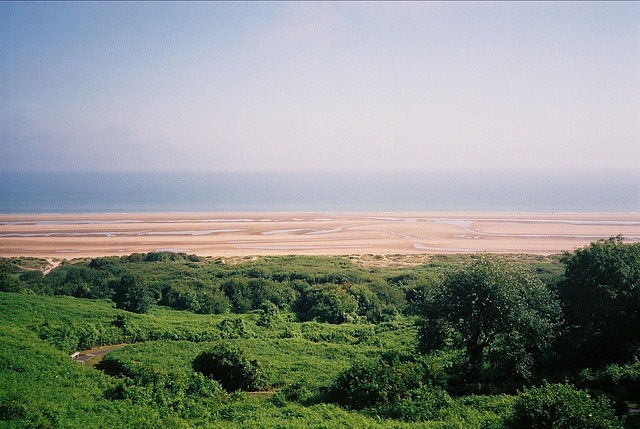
x,y
168,192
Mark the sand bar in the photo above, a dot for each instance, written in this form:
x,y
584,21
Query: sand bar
x,y
240,234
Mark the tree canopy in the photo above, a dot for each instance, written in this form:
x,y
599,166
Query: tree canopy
x,y
497,313
131,294
600,296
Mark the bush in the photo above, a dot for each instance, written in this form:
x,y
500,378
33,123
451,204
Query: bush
x,y
8,282
70,336
298,391
13,408
327,303
392,387
323,333
561,406
229,366
234,328
240,295
179,391
371,306
213,301
207,301
621,381
269,314
426,403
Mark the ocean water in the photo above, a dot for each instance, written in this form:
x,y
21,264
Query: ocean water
x,y
102,192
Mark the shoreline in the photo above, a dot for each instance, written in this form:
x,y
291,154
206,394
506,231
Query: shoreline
x,y
226,234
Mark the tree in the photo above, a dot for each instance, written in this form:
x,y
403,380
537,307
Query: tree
x,y
249,294
8,283
496,312
230,366
600,295
239,293
131,294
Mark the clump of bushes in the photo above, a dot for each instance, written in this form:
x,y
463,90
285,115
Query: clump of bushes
x,y
561,406
230,367
392,386
327,303
234,328
70,336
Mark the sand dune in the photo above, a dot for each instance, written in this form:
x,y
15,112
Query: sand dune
x,y
237,234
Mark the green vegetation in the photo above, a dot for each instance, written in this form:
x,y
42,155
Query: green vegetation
x,y
459,341
131,294
600,295
501,316
561,406
230,367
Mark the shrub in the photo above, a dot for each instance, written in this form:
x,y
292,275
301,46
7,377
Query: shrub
x,y
13,408
327,303
213,301
298,391
622,381
392,387
269,314
371,306
239,294
426,403
321,333
377,382
561,406
234,328
229,366
205,301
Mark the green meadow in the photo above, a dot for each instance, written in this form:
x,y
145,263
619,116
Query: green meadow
x,y
461,341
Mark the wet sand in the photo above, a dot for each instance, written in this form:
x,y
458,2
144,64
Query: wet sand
x,y
240,234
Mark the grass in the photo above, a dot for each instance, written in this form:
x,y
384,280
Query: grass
x,y
40,386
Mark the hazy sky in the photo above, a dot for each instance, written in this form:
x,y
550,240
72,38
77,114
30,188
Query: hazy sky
x,y
231,86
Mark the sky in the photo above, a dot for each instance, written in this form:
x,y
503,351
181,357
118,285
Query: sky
x,y
319,86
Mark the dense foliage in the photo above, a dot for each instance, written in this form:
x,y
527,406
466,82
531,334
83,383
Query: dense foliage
x,y
500,315
131,294
561,406
462,341
229,366
600,294
392,386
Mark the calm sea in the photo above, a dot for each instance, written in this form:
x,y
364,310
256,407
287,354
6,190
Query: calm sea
x,y
99,192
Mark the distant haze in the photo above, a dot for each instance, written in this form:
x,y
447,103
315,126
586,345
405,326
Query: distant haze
x,y
299,86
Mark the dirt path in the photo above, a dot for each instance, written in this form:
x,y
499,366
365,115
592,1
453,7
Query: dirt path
x,y
95,355
53,263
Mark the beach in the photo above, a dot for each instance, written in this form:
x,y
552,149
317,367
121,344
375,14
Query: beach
x,y
68,236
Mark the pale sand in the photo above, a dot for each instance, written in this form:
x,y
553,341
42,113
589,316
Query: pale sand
x,y
241,234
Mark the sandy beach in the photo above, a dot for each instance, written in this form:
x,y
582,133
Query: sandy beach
x,y
67,236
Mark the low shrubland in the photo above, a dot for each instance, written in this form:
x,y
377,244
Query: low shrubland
x,y
473,341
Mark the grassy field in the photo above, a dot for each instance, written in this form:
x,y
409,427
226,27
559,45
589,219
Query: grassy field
x,y
150,380
42,386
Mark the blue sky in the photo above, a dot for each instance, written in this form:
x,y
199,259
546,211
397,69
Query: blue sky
x,y
260,86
